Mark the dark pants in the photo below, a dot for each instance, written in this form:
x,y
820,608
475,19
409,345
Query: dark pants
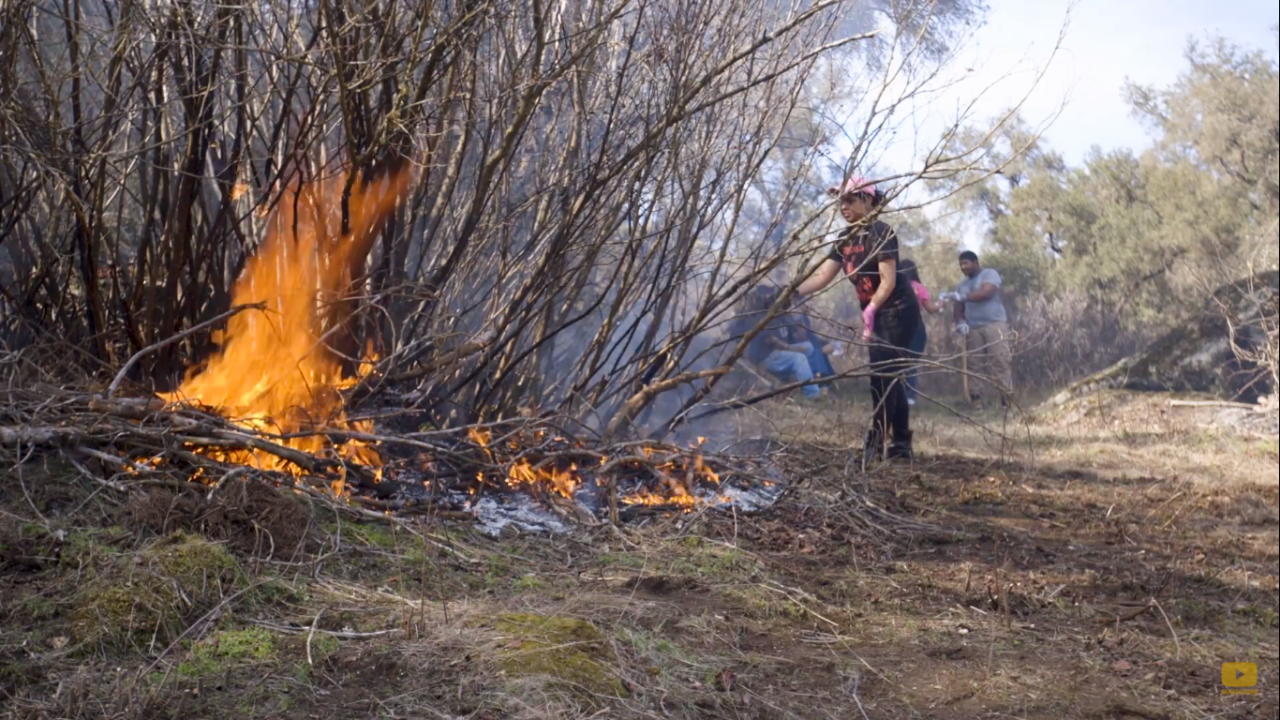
x,y
891,359
820,363
919,342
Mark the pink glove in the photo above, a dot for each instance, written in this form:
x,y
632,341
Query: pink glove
x,y
868,322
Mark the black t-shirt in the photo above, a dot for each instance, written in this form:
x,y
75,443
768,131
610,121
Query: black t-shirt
x,y
859,250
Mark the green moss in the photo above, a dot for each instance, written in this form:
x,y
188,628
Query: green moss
x,y
32,530
625,560
229,648
274,592
191,560
528,583
323,645
381,536
1263,616
81,551
761,604
384,537
152,596
499,574
19,675
658,653
711,562
572,652
39,607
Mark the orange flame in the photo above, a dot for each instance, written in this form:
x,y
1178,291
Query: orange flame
x,y
479,437
277,370
564,482
522,474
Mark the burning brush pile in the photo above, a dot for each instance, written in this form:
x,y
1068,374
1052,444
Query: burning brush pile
x,y
529,476
272,403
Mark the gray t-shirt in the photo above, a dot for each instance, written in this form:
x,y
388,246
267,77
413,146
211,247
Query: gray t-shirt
x,y
978,314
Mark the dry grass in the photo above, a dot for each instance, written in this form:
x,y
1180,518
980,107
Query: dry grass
x,y
1103,569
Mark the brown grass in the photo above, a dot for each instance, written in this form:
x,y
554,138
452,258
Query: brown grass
x,y
1094,566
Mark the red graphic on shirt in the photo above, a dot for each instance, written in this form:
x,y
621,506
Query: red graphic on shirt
x,y
866,290
854,257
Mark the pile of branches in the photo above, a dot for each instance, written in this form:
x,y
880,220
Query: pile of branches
x,y
135,443
143,441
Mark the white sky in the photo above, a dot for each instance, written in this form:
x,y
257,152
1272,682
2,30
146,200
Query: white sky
x,y
1106,42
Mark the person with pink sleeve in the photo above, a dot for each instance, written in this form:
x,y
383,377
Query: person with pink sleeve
x,y
920,339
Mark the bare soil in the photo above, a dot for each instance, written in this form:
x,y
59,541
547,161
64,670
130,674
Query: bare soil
x,y
1097,565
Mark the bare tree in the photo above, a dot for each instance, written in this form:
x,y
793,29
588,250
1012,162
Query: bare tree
x,y
596,182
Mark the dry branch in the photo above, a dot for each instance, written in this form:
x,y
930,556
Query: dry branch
x,y
124,370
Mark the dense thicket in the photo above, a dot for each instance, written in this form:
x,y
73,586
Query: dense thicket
x,y
594,178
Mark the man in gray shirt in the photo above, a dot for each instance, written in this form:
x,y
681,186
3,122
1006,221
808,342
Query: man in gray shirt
x,y
981,319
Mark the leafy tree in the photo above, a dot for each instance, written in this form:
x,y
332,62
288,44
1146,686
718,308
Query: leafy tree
x,y
1133,243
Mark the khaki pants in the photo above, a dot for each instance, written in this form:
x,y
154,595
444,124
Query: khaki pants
x,y
989,345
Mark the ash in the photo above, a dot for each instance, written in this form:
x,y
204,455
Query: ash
x,y
501,510
517,512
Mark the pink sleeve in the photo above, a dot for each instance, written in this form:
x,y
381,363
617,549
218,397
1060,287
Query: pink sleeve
x,y
922,292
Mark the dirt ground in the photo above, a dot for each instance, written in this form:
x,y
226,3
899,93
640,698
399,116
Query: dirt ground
x,y
1101,561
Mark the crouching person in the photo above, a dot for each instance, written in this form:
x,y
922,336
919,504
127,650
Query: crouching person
x,y
770,350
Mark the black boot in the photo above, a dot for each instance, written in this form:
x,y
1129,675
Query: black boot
x,y
873,446
900,448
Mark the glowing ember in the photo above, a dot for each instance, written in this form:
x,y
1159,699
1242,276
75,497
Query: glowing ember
x,y
563,482
277,371
669,484
480,437
655,500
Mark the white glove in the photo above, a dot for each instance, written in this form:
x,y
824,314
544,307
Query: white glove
x,y
951,297
962,327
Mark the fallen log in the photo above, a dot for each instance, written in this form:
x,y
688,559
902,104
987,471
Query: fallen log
x,y
1204,356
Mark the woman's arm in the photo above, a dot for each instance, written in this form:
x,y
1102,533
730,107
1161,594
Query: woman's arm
x,y
930,306
820,279
888,280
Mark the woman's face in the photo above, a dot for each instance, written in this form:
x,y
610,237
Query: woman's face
x,y
855,207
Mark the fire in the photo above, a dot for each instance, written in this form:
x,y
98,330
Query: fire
x,y
678,497
277,370
564,482
701,469
670,486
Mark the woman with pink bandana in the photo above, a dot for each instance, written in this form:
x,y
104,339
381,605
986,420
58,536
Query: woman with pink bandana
x,y
866,252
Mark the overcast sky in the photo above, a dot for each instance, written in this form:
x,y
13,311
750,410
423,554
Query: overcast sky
x,y
1106,42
